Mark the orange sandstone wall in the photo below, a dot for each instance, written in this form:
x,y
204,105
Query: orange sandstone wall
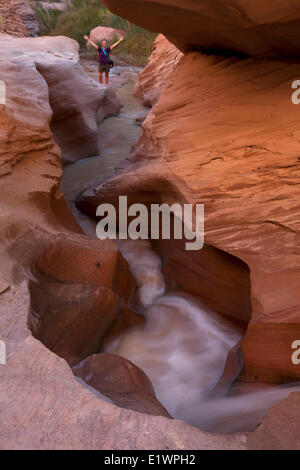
x,y
225,133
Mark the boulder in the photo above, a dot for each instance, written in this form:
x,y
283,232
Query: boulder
x,y
245,27
232,369
121,381
110,34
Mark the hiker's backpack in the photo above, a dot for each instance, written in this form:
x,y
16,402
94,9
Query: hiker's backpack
x,y
110,62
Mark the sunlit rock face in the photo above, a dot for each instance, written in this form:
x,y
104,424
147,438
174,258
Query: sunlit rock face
x,y
225,133
154,76
257,28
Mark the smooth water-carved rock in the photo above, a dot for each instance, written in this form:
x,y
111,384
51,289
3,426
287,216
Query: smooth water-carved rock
x,y
79,290
77,286
79,103
121,381
247,27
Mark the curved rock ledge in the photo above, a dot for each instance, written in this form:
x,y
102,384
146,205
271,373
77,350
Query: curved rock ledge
x,y
254,28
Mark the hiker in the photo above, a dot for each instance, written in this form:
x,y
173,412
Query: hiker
x,y
105,61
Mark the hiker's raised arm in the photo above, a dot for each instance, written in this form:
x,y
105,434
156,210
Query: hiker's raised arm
x,y
91,42
116,43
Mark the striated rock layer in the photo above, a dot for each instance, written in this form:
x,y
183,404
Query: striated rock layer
x,y
225,133
252,27
153,78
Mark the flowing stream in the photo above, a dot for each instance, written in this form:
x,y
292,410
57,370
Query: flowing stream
x,y
183,347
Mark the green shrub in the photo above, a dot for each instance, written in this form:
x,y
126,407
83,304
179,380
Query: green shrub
x,y
47,18
75,22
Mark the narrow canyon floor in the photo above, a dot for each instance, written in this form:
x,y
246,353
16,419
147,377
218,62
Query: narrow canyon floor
x,y
116,136
184,345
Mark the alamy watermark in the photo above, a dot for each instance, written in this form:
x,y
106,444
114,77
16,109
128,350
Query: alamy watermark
x,y
2,92
296,94
296,354
161,221
2,353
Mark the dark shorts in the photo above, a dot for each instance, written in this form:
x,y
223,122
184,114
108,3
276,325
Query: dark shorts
x,y
104,68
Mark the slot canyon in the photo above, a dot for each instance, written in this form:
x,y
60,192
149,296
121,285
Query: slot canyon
x,y
142,344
